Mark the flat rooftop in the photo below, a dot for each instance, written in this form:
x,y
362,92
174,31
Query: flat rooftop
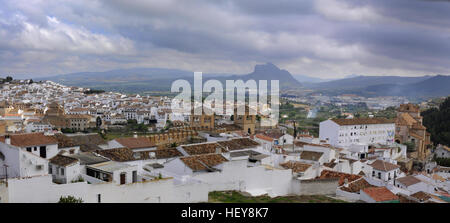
x,y
110,166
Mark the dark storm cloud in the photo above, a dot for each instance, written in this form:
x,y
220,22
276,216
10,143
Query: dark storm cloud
x,y
327,38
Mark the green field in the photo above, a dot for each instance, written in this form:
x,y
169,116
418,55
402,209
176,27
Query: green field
x,y
237,197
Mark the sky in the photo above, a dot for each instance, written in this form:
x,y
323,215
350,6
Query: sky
x,y
318,38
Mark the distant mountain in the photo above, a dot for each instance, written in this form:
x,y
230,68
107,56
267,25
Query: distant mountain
x,y
122,80
267,72
305,78
139,80
365,81
431,87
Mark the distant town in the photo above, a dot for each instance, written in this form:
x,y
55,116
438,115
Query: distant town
x,y
83,145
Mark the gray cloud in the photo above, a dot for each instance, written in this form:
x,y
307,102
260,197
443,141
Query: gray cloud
x,y
325,38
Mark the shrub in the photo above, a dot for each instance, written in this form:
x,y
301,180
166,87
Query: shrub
x,y
70,199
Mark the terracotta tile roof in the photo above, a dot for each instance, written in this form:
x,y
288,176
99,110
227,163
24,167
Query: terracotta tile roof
x,y
383,166
118,154
422,196
64,141
331,164
30,139
408,108
380,194
356,186
310,155
407,119
274,135
230,127
327,174
408,180
167,153
302,144
239,143
136,143
203,148
363,121
87,139
296,166
61,160
203,162
264,137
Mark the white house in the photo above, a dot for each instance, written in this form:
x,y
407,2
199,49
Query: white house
x,y
37,126
64,169
41,144
20,163
118,173
191,165
413,184
270,139
384,171
345,132
442,151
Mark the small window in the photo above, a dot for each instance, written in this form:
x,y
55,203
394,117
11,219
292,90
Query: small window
x,y
99,198
50,169
62,171
29,149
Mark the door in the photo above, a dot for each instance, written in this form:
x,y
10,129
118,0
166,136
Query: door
x,y
123,178
43,152
134,176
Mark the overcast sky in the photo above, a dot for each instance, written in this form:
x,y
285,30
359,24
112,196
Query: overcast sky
x,y
321,38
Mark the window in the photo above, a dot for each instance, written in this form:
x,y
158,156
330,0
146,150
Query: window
x,y
50,169
99,198
29,149
62,171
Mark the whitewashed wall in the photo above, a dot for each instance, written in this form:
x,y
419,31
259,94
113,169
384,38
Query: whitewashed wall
x,y
236,176
44,191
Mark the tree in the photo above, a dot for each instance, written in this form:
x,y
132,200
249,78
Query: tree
x,y
9,79
437,121
98,122
70,199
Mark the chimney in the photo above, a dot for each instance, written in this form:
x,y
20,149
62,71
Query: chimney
x,y
7,140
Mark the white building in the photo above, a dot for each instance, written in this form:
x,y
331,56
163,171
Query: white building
x,y
20,163
37,127
40,144
383,171
64,169
442,151
345,132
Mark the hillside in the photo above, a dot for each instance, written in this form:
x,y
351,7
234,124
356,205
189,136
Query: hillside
x,y
366,81
123,80
139,80
437,122
432,87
